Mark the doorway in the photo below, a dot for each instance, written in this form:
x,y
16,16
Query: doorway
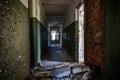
x,y
55,36
80,16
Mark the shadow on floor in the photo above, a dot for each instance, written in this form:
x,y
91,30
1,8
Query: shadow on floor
x,y
56,53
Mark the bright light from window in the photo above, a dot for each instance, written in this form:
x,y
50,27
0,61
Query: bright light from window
x,y
53,35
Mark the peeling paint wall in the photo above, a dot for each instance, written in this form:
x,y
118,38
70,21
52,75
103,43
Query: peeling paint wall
x,y
70,40
14,40
95,35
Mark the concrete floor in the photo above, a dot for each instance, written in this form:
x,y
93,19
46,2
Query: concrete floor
x,y
56,53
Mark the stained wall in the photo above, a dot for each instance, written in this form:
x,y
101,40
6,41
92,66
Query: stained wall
x,y
95,35
14,40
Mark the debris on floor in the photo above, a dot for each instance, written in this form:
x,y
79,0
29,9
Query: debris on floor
x,y
61,71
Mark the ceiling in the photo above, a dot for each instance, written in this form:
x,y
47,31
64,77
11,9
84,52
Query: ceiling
x,y
55,10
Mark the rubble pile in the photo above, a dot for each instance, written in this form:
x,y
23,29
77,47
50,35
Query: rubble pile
x,y
49,70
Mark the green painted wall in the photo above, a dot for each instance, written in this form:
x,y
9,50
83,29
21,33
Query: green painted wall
x,y
35,24
14,40
70,42
38,24
44,40
113,39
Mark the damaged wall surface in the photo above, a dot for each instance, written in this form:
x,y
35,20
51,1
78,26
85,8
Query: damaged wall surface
x,y
14,40
95,35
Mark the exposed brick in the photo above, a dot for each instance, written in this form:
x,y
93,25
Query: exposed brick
x,y
95,33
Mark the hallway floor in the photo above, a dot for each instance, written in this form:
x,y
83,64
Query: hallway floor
x,y
56,53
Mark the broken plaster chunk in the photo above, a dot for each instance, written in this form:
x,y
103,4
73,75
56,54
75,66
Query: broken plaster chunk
x,y
48,67
76,70
85,76
49,63
73,65
77,76
62,72
65,79
43,74
86,68
61,65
